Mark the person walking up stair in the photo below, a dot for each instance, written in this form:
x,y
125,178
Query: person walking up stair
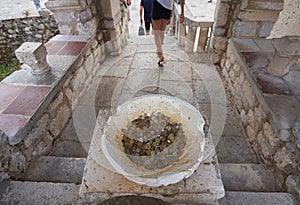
x,y
146,8
161,14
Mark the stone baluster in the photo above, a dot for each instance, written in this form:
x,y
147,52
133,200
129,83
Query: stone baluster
x,y
203,37
34,56
182,35
190,40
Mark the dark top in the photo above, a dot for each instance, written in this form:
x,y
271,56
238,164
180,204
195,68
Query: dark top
x,y
147,4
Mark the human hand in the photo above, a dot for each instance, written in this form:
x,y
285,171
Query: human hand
x,y
181,17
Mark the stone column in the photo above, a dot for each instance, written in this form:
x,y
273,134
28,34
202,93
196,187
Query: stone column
x,y
33,55
74,17
113,25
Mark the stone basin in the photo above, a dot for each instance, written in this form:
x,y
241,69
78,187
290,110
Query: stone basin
x,y
179,111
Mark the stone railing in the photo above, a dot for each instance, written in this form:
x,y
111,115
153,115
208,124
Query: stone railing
x,y
194,33
36,105
269,114
16,31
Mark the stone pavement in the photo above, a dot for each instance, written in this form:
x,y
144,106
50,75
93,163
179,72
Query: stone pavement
x,y
10,9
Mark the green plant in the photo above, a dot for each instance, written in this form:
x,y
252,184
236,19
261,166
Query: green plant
x,y
26,13
6,70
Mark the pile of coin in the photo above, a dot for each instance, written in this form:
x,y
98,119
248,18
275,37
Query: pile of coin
x,y
156,136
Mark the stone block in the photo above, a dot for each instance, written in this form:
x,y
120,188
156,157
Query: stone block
x,y
55,169
60,121
246,45
264,45
222,14
244,118
55,103
257,198
228,65
245,29
221,43
34,55
17,163
42,193
258,16
251,133
265,30
44,146
267,152
89,64
285,135
286,159
292,183
250,177
204,185
38,132
271,136
276,5
219,31
280,65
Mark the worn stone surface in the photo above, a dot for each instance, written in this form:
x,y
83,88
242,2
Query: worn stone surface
x,y
286,158
55,169
287,23
60,121
258,198
250,177
41,193
232,149
293,185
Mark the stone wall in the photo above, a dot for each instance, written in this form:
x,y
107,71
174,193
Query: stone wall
x,y
51,121
16,31
274,150
46,125
242,19
91,17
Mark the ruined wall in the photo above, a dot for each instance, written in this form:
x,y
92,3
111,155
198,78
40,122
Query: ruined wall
x,y
279,151
242,19
53,118
73,17
16,31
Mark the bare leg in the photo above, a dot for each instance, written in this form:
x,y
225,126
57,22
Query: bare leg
x,y
163,25
157,37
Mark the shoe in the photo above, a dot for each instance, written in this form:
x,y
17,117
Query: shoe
x,y
161,63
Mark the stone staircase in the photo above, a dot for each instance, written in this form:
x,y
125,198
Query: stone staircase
x,y
55,179
246,180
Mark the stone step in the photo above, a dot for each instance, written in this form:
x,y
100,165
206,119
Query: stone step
x,y
276,5
55,169
236,150
68,148
36,193
68,145
258,198
250,178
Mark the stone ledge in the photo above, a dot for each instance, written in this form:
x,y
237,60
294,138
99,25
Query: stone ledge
x,y
63,59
